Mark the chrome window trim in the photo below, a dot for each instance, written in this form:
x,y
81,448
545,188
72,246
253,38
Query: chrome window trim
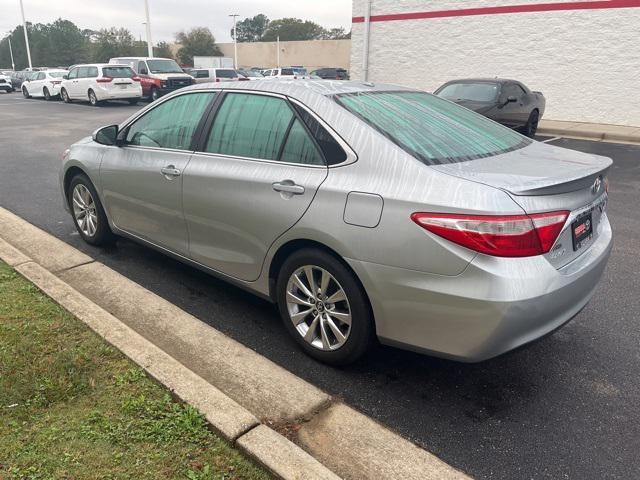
x,y
263,160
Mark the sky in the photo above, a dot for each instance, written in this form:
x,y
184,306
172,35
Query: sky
x,y
169,17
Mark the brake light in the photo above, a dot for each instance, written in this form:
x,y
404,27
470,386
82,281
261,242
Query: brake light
x,y
497,235
104,79
136,78
56,82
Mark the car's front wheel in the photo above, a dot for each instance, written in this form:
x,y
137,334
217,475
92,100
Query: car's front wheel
x,y
25,92
88,215
324,307
531,127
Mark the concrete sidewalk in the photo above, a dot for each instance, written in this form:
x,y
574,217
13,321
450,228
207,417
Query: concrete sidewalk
x,y
590,131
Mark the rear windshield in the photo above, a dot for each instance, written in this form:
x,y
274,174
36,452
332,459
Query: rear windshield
x,y
226,74
431,129
118,72
477,92
57,74
286,71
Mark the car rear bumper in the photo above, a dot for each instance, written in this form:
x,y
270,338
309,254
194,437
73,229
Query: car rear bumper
x,y
116,94
493,306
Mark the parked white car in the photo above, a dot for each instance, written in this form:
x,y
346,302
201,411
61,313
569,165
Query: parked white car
x,y
44,84
286,72
5,83
99,82
205,75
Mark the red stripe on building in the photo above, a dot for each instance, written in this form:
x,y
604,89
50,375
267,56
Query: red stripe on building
x,y
537,7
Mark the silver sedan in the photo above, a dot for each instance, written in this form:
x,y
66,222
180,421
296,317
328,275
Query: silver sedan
x,y
365,212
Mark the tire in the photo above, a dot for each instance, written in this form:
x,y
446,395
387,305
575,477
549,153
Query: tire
x,y
93,100
89,203
358,337
65,96
46,94
531,127
154,95
133,101
25,92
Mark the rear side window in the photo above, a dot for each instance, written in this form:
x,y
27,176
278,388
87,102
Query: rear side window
x,y
431,129
92,72
83,72
249,125
200,73
262,127
331,149
171,124
118,72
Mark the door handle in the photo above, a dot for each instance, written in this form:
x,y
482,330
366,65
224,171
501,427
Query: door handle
x,y
170,171
287,186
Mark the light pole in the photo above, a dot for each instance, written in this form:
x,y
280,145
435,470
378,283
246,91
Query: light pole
x,y
13,65
148,24
235,41
26,36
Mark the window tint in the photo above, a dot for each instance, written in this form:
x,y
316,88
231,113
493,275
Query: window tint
x,y
82,72
331,149
73,73
118,72
299,147
171,124
92,72
200,73
477,92
511,89
249,125
287,71
40,76
222,73
431,129
142,68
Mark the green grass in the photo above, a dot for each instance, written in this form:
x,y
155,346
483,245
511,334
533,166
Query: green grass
x,y
73,407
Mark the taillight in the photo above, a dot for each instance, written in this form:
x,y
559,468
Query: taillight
x,y
104,79
295,77
497,235
217,79
136,79
56,82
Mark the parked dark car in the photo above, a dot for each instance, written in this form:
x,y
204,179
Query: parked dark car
x,y
18,78
331,73
508,102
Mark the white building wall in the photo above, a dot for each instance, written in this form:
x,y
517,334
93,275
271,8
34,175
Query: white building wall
x,y
586,62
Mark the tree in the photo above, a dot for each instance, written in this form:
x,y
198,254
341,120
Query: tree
x,y
336,34
112,42
198,41
251,29
163,49
292,29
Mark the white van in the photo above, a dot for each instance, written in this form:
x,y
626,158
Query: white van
x,y
98,82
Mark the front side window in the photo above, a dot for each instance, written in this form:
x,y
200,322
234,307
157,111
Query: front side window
x,y
262,127
73,73
431,129
142,68
171,124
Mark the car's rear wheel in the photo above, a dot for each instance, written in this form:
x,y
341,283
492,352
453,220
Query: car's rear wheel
x,y
88,215
46,94
25,92
324,307
93,99
65,96
531,127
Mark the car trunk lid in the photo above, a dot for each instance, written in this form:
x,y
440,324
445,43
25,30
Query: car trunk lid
x,y
545,178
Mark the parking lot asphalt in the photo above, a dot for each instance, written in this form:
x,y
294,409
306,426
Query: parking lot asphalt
x,y
563,407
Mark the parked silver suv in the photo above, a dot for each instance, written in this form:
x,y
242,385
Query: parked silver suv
x,y
365,212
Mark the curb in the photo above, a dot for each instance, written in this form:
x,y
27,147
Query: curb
x,y
591,131
238,391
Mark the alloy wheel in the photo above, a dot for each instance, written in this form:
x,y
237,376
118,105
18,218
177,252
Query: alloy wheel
x,y
84,210
92,98
318,307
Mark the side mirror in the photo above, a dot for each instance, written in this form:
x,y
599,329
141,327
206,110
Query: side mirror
x,y
511,99
106,135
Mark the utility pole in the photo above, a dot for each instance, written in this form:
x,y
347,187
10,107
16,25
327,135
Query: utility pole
x,y
235,41
278,51
13,65
26,36
148,24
